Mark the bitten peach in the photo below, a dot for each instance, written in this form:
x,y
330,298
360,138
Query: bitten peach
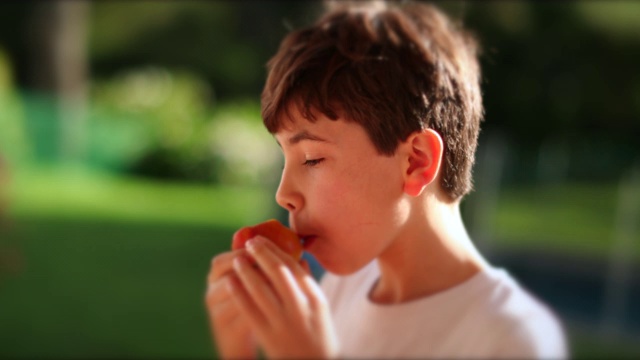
x,y
273,230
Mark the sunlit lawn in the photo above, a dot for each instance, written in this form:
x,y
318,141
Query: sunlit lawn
x,y
82,195
577,219
114,267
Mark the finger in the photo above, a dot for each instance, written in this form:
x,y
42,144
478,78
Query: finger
x,y
291,263
260,291
245,304
278,270
230,322
234,324
218,291
315,295
302,272
222,264
225,313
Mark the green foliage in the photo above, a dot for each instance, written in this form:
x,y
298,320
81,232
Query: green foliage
x,y
152,122
246,151
151,110
217,38
552,69
619,19
162,124
14,147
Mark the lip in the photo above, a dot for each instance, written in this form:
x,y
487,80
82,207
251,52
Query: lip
x,y
307,240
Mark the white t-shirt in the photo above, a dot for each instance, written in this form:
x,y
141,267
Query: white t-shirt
x,y
487,316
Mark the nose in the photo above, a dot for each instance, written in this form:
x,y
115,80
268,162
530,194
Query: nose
x,y
288,196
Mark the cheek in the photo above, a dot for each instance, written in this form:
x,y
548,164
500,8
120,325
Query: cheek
x,y
361,196
331,197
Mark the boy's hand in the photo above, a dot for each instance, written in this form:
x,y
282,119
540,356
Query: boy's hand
x,y
283,303
232,332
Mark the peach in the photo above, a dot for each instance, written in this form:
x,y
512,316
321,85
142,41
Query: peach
x,y
273,230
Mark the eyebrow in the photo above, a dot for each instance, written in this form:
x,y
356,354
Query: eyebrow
x,y
304,135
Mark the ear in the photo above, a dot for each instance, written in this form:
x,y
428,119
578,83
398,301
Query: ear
x,y
423,150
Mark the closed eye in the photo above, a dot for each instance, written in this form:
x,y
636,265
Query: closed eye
x,y
313,162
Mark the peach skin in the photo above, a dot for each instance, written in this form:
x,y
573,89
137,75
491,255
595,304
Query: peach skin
x,y
273,230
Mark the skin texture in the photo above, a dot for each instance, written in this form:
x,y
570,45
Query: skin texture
x,y
353,205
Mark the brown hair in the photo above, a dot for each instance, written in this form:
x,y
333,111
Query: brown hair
x,y
392,69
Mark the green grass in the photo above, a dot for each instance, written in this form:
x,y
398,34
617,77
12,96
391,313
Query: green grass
x,y
108,289
578,219
108,267
81,195
587,344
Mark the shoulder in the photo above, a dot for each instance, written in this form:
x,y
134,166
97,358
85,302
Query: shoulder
x,y
527,327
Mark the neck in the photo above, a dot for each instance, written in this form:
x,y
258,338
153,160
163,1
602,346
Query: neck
x,y
428,256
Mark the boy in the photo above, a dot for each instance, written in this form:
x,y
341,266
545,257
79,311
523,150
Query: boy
x,y
377,109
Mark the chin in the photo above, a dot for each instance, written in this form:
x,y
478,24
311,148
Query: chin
x,y
337,267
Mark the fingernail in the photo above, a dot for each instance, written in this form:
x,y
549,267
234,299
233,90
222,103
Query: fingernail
x,y
238,262
251,243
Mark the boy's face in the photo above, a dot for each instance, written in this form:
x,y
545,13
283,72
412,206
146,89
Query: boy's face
x,y
342,196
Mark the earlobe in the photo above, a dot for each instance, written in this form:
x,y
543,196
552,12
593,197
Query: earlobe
x,y
424,151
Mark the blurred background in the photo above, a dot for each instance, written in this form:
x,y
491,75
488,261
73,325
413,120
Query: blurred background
x,y
131,148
